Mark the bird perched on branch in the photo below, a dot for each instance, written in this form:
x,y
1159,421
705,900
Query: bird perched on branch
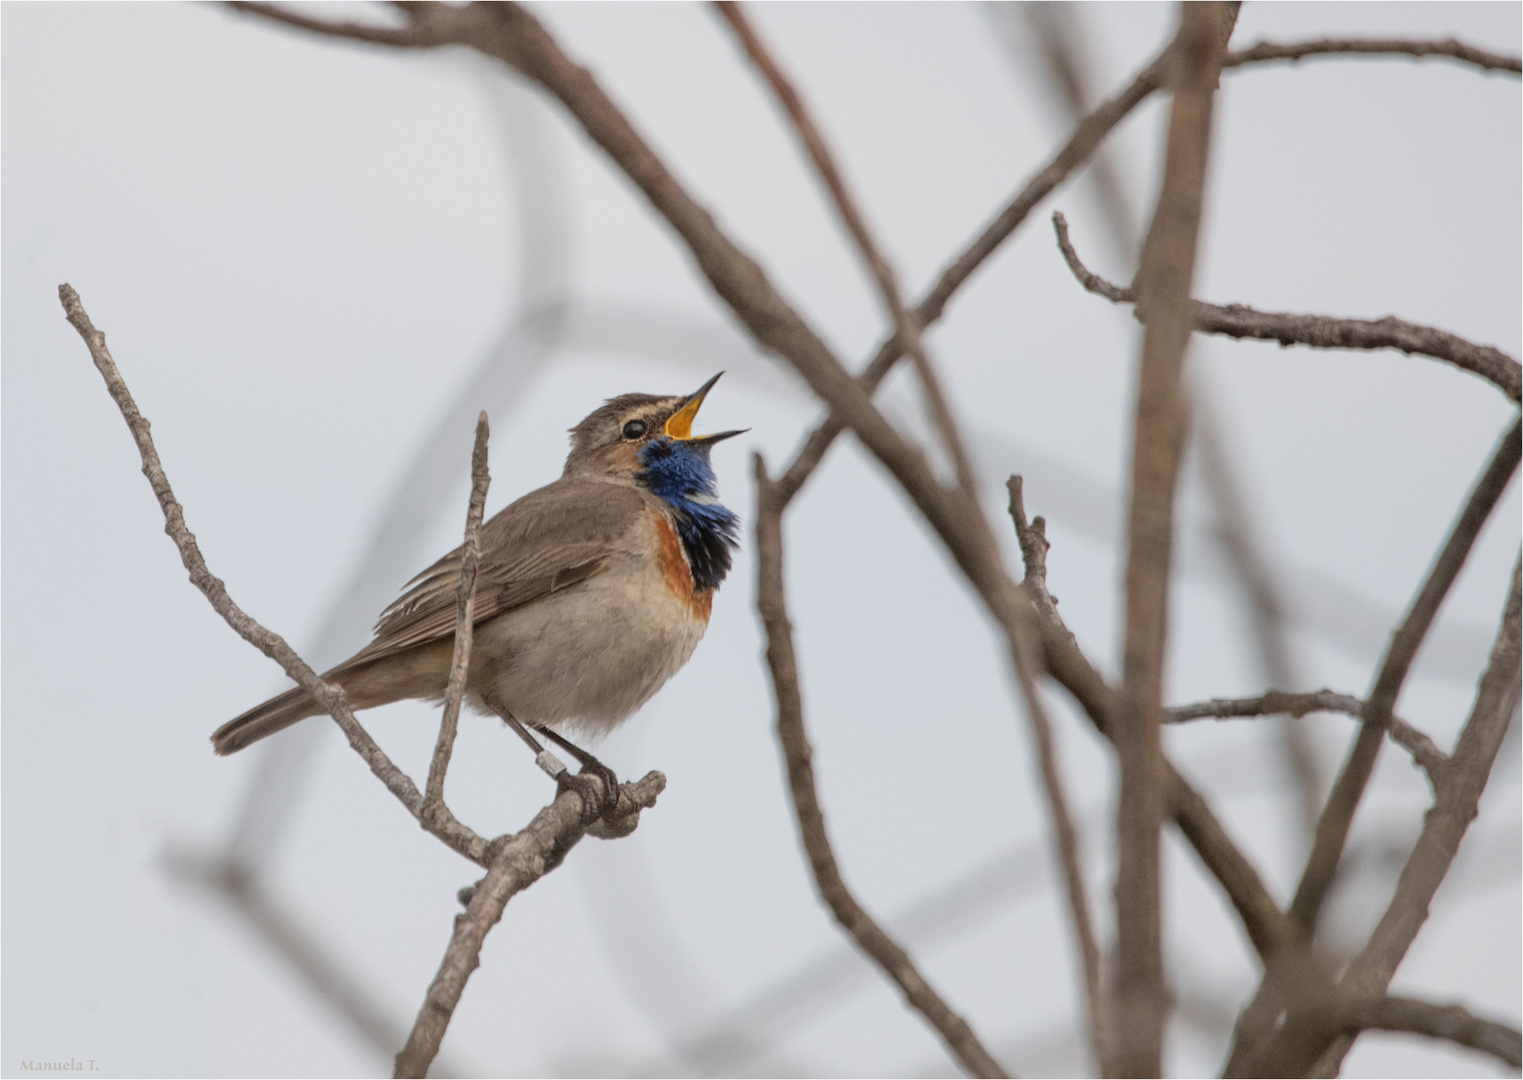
x,y
590,593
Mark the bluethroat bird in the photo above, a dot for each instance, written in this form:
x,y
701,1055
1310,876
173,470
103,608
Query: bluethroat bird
x,y
590,592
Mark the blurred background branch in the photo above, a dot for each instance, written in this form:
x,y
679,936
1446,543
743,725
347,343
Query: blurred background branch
x,y
737,1021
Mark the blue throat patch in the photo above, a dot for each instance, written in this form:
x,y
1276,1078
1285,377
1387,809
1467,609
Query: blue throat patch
x,y
679,473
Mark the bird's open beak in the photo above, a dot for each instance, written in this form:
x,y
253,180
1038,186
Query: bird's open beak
x,y
680,424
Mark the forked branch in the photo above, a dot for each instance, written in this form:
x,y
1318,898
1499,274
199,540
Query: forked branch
x,y
514,862
331,697
518,861
1348,790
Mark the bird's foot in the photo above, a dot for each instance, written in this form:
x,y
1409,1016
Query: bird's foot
x,y
600,797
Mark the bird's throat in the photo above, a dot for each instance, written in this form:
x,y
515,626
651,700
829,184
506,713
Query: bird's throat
x,y
682,477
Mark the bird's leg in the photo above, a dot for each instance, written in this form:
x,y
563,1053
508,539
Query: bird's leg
x,y
589,764
595,803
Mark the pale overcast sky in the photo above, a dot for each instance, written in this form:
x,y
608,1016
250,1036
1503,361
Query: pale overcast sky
x,y
315,262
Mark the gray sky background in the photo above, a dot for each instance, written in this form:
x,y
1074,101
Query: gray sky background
x,y
305,254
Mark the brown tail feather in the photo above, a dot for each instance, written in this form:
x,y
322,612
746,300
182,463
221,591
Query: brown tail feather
x,y
274,715
419,672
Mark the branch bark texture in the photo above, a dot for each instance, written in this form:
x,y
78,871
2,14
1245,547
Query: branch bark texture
x,y
518,861
1320,331
1267,51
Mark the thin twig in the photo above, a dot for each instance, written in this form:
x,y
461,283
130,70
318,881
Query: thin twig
x,y
1343,801
465,621
1321,331
1424,750
518,862
906,326
1269,51
771,602
1087,136
1026,654
415,36
329,696
1069,66
1164,281
1278,941
1452,1023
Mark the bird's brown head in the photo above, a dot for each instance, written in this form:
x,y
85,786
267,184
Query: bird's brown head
x,y
610,440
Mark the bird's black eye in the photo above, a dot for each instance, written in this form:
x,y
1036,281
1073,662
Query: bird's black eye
x,y
634,429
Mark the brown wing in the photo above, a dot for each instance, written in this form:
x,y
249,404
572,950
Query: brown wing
x,y
550,539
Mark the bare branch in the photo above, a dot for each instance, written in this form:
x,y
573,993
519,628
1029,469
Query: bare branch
x,y
1081,145
1338,814
518,861
1026,655
1444,827
1452,1023
1307,1044
416,36
332,698
1321,331
1268,928
465,621
1032,536
1164,280
1267,51
1278,703
512,34
771,602
906,326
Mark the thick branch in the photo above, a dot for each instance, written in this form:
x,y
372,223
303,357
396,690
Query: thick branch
x,y
1164,280
518,861
1424,750
798,756
1267,51
1321,331
465,621
330,697
906,326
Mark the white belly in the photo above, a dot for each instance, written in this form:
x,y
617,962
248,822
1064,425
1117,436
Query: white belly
x,y
588,658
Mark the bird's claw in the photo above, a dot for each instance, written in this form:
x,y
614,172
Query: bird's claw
x,y
599,799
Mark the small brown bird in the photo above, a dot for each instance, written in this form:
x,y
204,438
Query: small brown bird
x,y
591,592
